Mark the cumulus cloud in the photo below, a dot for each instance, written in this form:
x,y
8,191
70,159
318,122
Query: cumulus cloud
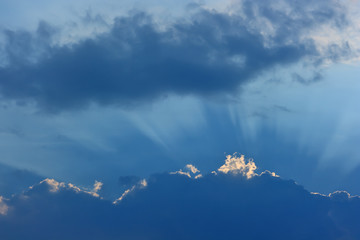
x,y
174,206
139,60
238,165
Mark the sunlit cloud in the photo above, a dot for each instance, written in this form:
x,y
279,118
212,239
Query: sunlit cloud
x,y
238,165
189,170
3,207
199,205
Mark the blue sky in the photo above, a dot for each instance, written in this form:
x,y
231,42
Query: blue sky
x,y
286,96
109,90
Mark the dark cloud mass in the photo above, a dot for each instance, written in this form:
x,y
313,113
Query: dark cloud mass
x,y
14,180
137,60
231,203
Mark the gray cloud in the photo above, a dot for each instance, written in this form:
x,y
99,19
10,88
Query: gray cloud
x,y
135,61
218,205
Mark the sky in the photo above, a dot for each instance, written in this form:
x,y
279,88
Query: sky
x,y
124,93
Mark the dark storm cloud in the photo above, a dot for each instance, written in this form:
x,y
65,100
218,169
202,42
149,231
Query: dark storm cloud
x,y
135,61
175,206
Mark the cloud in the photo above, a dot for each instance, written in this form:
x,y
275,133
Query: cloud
x,y
97,186
53,209
3,207
315,78
174,206
238,165
53,186
128,181
189,170
13,180
139,60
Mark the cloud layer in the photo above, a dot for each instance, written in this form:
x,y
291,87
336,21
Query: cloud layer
x,y
14,180
176,206
138,60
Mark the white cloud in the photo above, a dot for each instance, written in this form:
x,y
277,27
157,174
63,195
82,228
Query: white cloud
x,y
54,186
238,165
189,170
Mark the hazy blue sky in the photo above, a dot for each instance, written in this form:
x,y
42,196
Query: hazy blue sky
x,y
110,90
133,88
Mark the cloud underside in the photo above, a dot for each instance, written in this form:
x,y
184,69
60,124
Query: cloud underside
x,y
178,206
139,60
13,181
